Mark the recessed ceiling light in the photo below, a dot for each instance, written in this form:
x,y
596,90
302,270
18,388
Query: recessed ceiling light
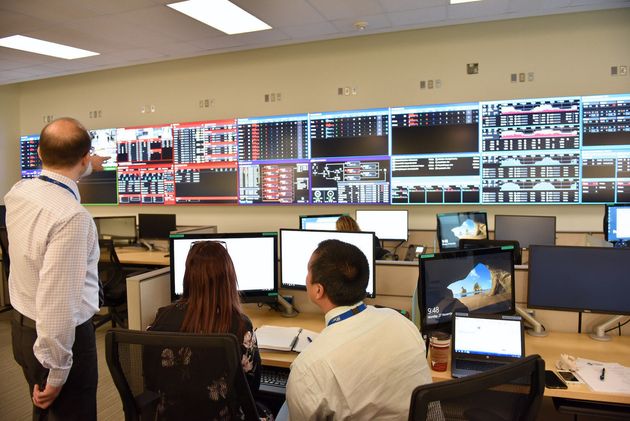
x,y
33,45
462,1
222,15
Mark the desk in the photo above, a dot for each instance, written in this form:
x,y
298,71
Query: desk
x,y
136,256
549,348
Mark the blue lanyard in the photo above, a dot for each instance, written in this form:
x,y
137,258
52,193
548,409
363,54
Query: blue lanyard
x,y
58,183
347,314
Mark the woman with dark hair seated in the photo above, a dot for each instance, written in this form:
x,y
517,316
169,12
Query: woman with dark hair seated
x,y
189,384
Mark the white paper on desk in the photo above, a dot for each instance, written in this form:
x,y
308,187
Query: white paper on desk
x,y
276,338
303,339
616,379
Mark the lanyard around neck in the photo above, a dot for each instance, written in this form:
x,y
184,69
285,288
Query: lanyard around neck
x,y
58,183
347,314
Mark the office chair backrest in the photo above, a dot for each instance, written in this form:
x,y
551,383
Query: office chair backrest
x,y
4,245
513,392
132,357
111,274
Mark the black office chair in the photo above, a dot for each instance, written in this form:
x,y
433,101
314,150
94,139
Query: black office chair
x,y
513,392
132,357
4,245
113,279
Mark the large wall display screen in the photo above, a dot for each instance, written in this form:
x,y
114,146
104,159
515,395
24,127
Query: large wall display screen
x,y
556,150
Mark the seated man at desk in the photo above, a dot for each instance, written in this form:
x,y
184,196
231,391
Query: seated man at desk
x,y
366,361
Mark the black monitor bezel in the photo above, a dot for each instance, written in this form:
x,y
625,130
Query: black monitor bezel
x,y
550,217
252,296
492,243
446,326
532,262
172,217
356,214
329,215
607,216
438,232
303,288
129,239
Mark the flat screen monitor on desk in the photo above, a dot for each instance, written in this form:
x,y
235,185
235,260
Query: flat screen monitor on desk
x,y
121,229
468,281
452,227
156,226
319,222
297,246
526,229
255,259
386,224
480,244
617,224
583,279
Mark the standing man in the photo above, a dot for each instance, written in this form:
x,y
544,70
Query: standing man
x,y
367,361
53,282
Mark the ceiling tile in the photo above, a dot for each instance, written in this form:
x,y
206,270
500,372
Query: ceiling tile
x,y
346,9
280,13
309,31
394,6
431,15
472,11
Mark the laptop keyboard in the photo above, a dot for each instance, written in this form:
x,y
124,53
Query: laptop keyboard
x,y
274,379
476,365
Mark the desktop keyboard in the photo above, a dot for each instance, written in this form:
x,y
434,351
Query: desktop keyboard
x,y
274,380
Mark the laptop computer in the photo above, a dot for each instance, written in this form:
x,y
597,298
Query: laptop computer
x,y
484,342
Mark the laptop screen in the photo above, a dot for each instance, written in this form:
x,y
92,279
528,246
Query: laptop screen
x,y
495,337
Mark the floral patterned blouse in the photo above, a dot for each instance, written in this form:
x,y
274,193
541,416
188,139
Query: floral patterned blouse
x,y
189,387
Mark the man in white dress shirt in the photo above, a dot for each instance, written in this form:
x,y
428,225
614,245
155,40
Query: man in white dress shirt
x,y
367,361
53,282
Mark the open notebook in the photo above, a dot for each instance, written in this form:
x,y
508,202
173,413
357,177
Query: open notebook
x,y
280,338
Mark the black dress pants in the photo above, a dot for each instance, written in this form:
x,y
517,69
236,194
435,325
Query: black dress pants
x,y
77,399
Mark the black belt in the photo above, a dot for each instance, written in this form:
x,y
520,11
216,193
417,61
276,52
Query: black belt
x,y
23,320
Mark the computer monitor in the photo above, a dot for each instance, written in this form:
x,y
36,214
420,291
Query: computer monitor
x,y
526,229
121,229
255,259
156,225
480,244
386,224
469,281
3,216
583,279
319,222
452,227
617,224
297,246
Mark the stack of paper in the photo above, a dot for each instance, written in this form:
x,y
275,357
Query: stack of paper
x,y
280,338
604,377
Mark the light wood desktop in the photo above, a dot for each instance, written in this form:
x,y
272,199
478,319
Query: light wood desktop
x,y
137,256
549,348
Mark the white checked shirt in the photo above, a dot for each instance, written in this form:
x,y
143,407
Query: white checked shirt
x,y
54,253
361,368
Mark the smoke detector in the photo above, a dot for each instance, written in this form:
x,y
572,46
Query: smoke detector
x,y
360,25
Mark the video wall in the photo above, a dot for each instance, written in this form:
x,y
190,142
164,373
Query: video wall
x,y
564,150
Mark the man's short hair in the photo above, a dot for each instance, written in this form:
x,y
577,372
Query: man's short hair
x,y
63,143
342,269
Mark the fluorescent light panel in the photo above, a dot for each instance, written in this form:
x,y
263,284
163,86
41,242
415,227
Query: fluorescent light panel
x,y
462,1
221,14
38,46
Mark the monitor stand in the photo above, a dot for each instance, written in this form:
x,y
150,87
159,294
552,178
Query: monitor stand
x,y
537,327
146,244
287,307
599,333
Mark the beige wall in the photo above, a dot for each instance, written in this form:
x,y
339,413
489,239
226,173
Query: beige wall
x,y
9,138
569,54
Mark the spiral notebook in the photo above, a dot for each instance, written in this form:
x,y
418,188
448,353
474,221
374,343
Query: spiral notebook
x,y
279,338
